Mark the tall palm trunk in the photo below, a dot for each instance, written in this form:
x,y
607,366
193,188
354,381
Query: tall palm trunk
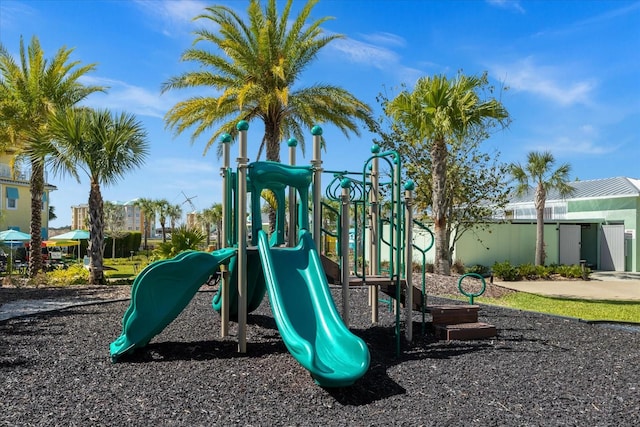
x,y
272,137
540,199
37,189
439,176
96,231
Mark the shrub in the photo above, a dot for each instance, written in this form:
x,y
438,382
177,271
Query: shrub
x,y
183,239
75,274
458,267
528,271
480,269
572,271
543,272
505,271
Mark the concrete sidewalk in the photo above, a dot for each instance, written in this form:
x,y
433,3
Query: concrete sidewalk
x,y
606,285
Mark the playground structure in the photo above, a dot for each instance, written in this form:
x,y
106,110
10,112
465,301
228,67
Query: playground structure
x,y
289,266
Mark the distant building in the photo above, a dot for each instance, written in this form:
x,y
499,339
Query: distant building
x,y
597,224
133,217
15,200
192,220
80,217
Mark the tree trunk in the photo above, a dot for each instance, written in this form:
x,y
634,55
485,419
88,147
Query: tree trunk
x,y
272,137
96,236
37,189
145,232
540,199
439,178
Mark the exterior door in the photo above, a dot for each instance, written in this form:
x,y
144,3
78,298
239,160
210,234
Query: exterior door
x,y
612,247
570,240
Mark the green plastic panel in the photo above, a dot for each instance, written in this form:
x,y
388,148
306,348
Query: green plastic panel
x,y
306,315
160,293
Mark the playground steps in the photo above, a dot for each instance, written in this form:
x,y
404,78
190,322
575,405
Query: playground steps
x,y
459,322
389,288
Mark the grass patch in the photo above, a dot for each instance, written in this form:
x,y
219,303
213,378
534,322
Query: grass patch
x,y
617,311
125,267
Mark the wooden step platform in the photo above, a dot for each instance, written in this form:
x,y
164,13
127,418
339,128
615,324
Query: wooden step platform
x,y
465,331
453,314
459,322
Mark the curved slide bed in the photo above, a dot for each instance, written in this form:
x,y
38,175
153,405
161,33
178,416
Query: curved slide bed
x,y
160,293
306,315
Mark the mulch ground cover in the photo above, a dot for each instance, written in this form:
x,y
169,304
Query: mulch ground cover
x,y
539,371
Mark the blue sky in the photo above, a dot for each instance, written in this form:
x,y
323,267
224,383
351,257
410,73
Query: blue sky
x,y
572,69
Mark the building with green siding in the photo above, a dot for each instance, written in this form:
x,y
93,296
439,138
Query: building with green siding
x,y
598,223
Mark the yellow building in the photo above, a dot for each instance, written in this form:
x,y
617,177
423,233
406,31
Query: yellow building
x,y
15,200
132,216
80,217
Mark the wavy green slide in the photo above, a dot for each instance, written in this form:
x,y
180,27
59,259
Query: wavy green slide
x,y
160,293
256,287
306,315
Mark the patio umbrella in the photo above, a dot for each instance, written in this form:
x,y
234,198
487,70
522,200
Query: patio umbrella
x,y
73,235
60,243
12,237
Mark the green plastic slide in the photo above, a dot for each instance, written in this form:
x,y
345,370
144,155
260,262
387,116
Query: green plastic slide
x,y
160,293
256,287
306,315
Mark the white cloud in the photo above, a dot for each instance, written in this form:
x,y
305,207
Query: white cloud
x,y
386,39
545,81
513,5
125,97
581,140
174,16
12,12
365,53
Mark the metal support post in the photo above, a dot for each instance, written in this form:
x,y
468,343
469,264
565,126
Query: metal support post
x,y
226,215
293,216
316,131
344,248
241,207
408,260
375,237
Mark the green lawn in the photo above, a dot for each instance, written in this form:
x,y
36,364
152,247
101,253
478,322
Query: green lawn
x,y
618,311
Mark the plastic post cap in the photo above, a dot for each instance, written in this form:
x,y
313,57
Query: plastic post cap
x,y
345,183
316,130
375,148
225,138
409,185
242,125
292,142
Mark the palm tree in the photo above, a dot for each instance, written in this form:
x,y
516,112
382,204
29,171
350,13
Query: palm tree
x,y
147,206
162,207
105,147
174,212
538,175
210,216
437,111
31,92
255,69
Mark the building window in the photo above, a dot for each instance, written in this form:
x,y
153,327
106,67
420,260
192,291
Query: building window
x,y
12,198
